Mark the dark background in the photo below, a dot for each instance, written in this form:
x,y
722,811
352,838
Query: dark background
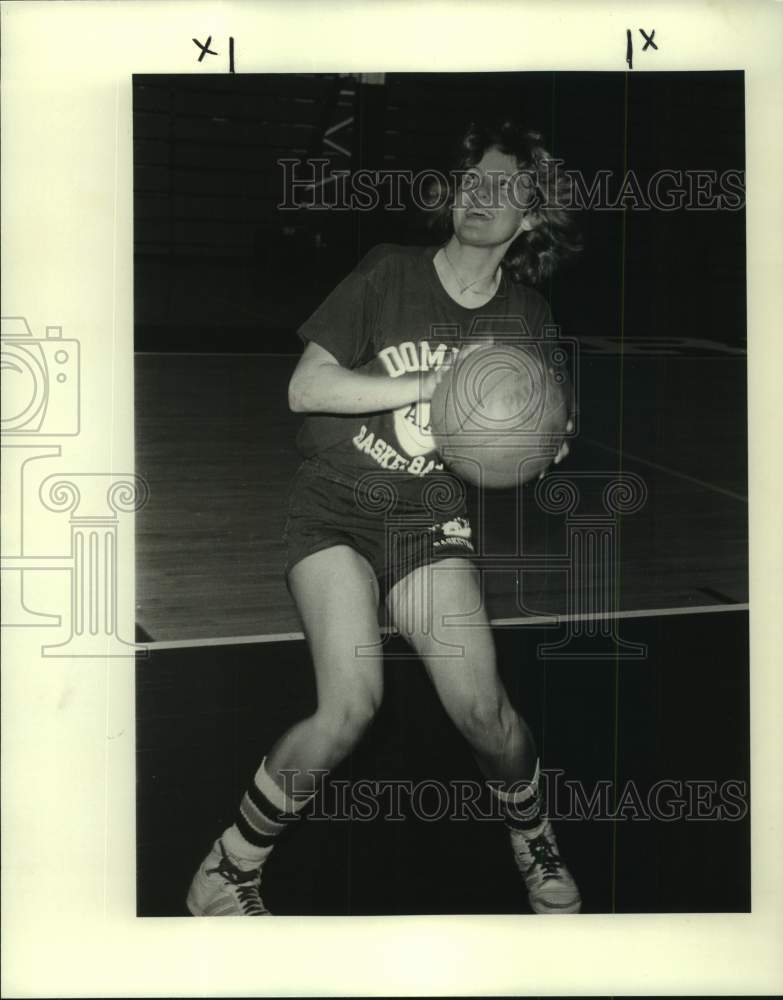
x,y
205,720
220,268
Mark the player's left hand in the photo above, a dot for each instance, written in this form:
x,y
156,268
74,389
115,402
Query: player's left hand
x,y
563,451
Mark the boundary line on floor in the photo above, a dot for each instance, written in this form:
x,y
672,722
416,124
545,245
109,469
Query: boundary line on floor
x,y
666,468
249,640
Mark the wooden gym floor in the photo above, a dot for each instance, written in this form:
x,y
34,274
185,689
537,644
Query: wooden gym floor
x,y
215,442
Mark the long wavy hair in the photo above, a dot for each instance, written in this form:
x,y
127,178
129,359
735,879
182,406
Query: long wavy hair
x,y
536,254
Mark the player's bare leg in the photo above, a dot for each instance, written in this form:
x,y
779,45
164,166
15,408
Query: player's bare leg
x,y
438,609
336,593
337,596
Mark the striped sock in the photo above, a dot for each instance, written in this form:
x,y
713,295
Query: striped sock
x,y
264,813
521,804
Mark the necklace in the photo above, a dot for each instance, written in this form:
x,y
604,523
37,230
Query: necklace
x,y
468,287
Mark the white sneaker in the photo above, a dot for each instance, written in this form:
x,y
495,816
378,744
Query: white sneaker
x,y
550,886
220,889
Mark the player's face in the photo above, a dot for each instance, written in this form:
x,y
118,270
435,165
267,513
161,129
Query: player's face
x,y
490,206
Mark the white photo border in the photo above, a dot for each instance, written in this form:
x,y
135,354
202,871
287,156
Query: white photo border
x,y
68,775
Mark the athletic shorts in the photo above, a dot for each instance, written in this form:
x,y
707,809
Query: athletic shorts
x,y
394,532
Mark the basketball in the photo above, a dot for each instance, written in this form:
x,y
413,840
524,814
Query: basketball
x,y
499,415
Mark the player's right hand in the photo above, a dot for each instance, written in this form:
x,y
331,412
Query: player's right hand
x,y
432,379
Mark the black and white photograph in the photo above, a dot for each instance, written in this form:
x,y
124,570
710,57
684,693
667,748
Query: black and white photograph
x,y
390,515
441,395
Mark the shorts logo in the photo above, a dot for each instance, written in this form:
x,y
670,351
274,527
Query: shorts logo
x,y
449,533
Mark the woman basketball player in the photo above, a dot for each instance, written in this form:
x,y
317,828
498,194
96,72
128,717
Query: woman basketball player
x,y
375,351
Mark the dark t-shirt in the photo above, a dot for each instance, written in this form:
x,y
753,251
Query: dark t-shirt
x,y
389,316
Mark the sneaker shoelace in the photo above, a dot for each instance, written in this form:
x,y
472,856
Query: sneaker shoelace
x,y
248,894
545,856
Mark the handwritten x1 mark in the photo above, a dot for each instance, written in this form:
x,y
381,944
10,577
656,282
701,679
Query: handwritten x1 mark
x,y
206,50
648,40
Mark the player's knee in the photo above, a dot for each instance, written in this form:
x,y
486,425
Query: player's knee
x,y
345,723
488,724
